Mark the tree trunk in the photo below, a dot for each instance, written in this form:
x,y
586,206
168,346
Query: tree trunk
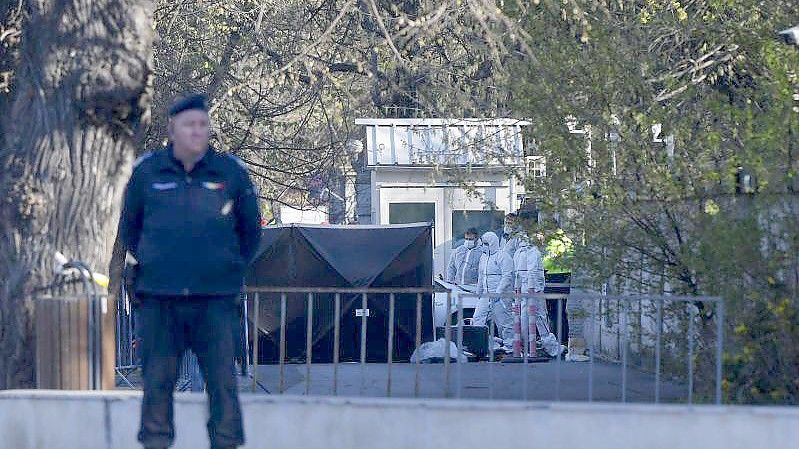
x,y
70,122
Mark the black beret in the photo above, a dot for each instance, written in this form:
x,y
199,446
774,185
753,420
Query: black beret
x,y
187,103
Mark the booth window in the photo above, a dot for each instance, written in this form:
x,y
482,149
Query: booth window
x,y
482,220
402,213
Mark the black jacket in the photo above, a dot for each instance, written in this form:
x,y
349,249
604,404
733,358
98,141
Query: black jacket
x,y
191,233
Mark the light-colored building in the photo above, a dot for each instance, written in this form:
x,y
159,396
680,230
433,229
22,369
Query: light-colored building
x,y
311,215
455,173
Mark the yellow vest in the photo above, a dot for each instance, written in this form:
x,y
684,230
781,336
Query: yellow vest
x,y
559,250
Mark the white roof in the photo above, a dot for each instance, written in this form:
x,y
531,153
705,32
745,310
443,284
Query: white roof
x,y
350,226
448,141
442,122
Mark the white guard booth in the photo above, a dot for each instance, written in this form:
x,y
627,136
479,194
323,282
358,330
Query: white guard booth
x,y
454,173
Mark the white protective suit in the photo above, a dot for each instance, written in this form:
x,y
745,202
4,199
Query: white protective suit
x,y
496,276
529,265
464,265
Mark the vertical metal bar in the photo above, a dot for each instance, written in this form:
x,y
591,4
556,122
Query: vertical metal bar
x,y
625,342
102,309
119,333
309,345
363,340
130,337
559,311
458,374
523,308
691,315
447,340
336,343
89,339
599,323
417,380
658,343
98,302
246,361
390,353
255,334
618,327
639,322
95,301
594,333
490,324
719,346
282,386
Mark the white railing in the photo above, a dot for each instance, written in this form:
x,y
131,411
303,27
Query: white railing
x,y
424,142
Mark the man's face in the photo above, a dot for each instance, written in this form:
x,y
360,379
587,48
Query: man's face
x,y
472,237
509,221
190,131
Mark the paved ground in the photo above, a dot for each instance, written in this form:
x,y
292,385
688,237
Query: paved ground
x,y
482,380
545,381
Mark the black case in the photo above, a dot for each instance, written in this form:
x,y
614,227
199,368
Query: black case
x,y
475,338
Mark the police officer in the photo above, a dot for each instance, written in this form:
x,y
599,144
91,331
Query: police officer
x,y
559,251
191,225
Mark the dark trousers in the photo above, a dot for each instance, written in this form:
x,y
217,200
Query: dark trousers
x,y
552,312
168,326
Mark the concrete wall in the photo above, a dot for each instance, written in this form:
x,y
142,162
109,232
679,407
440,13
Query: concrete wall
x,y
54,420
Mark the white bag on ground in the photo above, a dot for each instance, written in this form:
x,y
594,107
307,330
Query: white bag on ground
x,y
551,345
437,350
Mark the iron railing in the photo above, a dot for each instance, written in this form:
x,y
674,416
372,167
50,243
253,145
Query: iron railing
x,y
590,309
672,342
128,364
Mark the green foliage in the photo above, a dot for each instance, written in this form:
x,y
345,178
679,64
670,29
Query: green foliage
x,y
713,73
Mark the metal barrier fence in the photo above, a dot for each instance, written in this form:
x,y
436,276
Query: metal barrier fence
x,y
128,364
126,357
683,335
674,316
363,312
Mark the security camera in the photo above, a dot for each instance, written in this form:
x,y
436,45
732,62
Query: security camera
x,y
791,35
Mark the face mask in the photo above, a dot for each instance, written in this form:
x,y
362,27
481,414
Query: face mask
x,y
470,243
508,229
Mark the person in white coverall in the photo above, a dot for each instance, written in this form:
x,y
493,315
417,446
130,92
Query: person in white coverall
x,y
509,241
465,260
529,266
495,277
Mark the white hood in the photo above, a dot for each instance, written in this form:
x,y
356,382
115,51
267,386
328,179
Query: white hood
x,y
492,241
524,240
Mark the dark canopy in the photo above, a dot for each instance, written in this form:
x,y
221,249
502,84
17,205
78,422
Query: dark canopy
x,y
349,257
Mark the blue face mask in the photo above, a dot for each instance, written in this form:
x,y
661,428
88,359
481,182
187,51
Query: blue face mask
x,y
470,243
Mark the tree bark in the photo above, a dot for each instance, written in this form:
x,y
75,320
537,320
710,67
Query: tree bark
x,y
69,131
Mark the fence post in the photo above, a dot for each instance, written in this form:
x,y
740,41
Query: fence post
x,y
719,347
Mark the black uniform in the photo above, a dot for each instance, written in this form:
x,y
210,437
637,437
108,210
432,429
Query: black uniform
x,y
193,235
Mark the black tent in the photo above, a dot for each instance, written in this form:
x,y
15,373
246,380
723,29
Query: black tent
x,y
348,257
